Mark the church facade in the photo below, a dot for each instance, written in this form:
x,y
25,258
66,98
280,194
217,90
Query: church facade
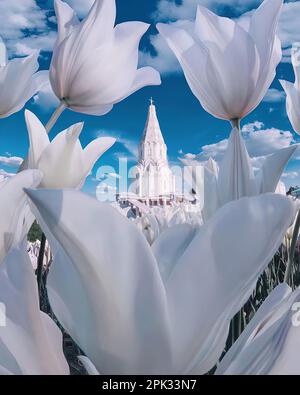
x,y
155,184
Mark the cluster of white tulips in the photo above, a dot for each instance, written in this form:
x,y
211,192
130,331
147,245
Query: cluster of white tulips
x,y
133,306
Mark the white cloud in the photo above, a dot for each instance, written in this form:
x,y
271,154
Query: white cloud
x,y
4,174
13,161
163,60
41,42
171,10
274,96
290,174
25,25
17,18
181,14
259,142
46,99
190,156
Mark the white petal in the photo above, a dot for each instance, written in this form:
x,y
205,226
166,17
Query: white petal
x,y
38,138
3,53
235,59
95,150
66,20
16,80
146,76
114,305
272,169
62,162
197,67
268,307
292,104
217,273
263,25
170,246
12,203
236,178
32,343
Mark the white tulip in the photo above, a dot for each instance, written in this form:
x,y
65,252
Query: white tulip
x,y
270,343
228,67
14,216
30,342
235,177
293,94
154,221
133,312
19,81
94,64
63,162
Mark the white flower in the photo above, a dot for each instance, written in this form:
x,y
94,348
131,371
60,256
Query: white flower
x,y
63,162
293,94
235,177
94,63
14,216
137,310
30,342
270,343
19,81
228,67
154,221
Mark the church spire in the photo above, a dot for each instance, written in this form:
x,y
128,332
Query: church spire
x,y
152,132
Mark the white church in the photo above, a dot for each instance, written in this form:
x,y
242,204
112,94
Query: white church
x,y
155,184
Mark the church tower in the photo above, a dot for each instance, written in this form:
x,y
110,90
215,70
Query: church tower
x,y
155,180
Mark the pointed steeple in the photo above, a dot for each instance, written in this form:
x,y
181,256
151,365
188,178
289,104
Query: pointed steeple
x,y
152,132
154,177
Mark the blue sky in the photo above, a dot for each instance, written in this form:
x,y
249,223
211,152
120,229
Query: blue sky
x,y
187,128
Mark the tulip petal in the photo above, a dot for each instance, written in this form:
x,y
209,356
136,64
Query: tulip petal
x,y
197,67
17,73
66,20
296,67
30,342
281,293
272,169
222,275
115,280
263,24
95,150
12,203
167,252
145,76
38,138
226,42
270,344
236,178
62,162
3,53
292,104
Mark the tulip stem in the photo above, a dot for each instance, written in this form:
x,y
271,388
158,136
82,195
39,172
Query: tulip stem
x,y
236,123
290,264
40,265
57,113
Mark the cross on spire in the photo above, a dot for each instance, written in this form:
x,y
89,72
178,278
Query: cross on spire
x,y
151,101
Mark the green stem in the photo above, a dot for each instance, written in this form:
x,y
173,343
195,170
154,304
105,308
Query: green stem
x,y
40,266
57,113
290,264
